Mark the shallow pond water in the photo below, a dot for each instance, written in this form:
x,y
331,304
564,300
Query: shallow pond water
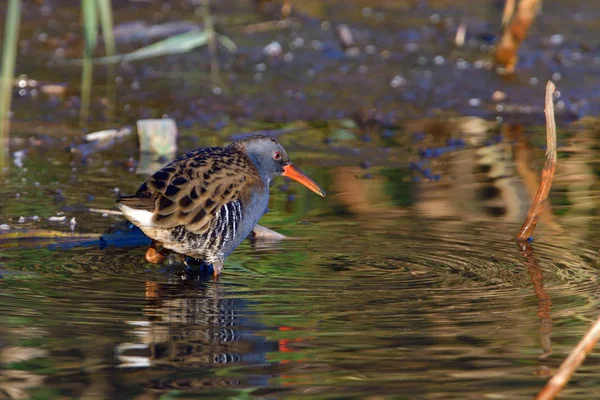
x,y
395,285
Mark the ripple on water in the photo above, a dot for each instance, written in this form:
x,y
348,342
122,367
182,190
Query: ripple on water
x,y
399,303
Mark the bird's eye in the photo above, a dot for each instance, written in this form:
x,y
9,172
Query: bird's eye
x,y
277,156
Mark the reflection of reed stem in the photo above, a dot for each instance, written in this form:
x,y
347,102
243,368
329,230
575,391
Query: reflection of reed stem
x,y
9,56
544,301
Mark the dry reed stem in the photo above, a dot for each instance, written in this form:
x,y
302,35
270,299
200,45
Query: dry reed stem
x,y
541,196
568,367
514,32
509,10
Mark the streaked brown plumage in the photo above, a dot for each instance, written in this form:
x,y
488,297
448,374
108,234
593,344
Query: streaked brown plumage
x,y
206,202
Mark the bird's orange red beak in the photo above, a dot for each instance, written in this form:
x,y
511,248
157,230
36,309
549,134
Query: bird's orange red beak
x,y
291,171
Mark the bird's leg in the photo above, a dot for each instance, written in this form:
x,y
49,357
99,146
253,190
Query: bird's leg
x,y
155,253
190,272
194,268
217,268
187,261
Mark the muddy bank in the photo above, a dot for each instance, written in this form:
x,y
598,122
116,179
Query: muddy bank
x,y
403,64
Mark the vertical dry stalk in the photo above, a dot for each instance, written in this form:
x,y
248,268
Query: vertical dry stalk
x,y
509,10
541,196
568,367
515,31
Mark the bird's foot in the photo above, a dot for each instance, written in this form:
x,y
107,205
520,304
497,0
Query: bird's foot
x,y
155,253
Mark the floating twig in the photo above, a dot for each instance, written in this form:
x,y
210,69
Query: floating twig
x,y
262,26
541,196
568,367
261,232
514,31
104,211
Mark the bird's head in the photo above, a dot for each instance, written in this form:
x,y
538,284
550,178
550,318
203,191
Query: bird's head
x,y
271,160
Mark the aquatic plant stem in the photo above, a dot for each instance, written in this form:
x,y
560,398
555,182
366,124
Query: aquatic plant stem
x,y
539,202
568,367
106,21
90,33
9,57
215,71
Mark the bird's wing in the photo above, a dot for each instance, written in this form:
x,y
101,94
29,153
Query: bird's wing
x,y
198,189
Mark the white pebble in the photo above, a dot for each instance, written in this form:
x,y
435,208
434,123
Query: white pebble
x,y
397,81
474,102
298,42
4,227
22,220
556,40
272,49
462,64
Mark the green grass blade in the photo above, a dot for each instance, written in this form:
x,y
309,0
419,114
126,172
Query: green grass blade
x,y
227,43
90,26
173,45
90,33
106,22
9,58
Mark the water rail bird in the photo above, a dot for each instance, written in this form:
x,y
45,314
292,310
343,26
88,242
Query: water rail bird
x,y
206,202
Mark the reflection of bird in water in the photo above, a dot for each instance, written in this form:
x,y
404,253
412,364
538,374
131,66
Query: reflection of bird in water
x,y
206,202
188,327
